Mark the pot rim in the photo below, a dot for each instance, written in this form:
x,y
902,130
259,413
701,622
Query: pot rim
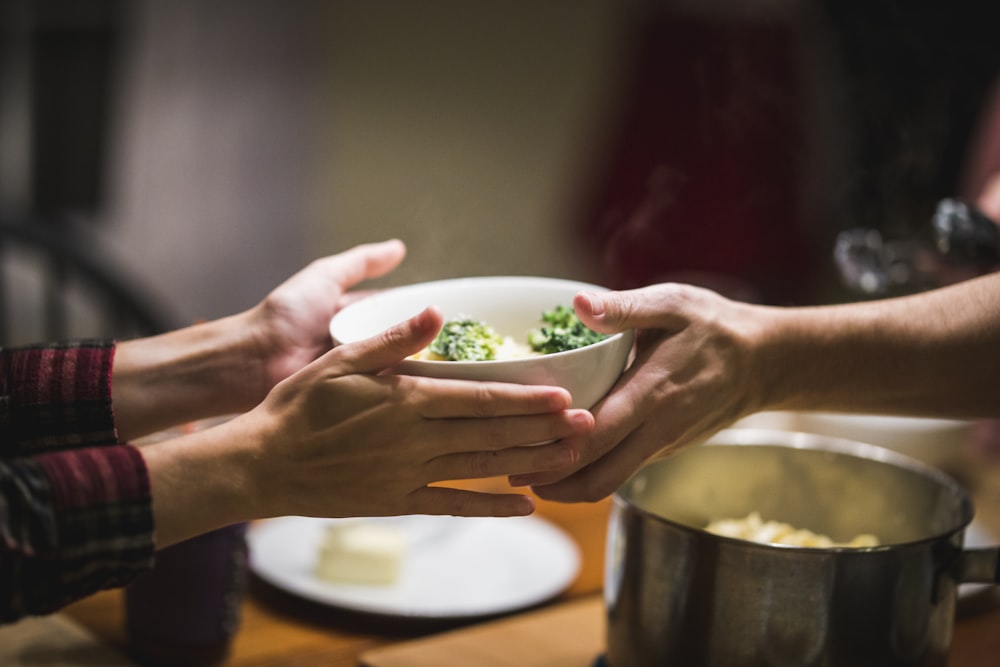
x,y
758,437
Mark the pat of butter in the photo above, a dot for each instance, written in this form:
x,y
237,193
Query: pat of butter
x,y
360,553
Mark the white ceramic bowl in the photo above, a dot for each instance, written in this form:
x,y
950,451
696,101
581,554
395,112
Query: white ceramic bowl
x,y
512,305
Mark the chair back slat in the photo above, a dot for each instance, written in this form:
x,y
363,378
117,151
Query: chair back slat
x,y
73,290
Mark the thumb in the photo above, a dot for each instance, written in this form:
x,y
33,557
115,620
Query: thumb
x,y
654,307
395,344
362,262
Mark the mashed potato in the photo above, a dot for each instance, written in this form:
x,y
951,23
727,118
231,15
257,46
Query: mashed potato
x,y
755,529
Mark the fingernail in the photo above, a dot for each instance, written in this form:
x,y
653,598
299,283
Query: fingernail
x,y
596,304
581,418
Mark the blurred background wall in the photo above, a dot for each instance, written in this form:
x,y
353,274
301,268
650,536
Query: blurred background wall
x,y
216,147
466,128
211,160
242,138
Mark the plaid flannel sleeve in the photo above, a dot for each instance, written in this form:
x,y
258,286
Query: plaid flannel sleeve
x,y
75,506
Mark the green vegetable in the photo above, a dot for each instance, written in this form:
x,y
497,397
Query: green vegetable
x,y
465,339
562,331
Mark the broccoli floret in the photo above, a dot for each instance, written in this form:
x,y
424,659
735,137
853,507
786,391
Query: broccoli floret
x,y
562,331
466,339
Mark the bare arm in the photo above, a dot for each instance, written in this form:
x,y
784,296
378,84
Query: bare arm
x,y
338,438
936,353
320,431
229,365
704,361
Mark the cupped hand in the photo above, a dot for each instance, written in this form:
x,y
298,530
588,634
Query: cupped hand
x,y
690,377
344,437
291,325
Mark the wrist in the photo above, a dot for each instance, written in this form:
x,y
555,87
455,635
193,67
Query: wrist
x,y
812,357
771,342
199,482
201,371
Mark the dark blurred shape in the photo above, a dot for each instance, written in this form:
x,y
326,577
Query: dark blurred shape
x,y
701,179
68,54
186,610
965,233
750,134
913,80
966,243
58,281
56,284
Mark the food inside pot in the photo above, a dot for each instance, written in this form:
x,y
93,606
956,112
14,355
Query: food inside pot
x,y
837,491
754,528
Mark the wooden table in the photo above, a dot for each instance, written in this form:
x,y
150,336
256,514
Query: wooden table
x,y
278,630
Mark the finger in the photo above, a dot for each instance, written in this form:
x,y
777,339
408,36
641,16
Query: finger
x,y
600,479
459,502
654,307
605,475
514,460
620,413
362,262
336,273
439,399
389,347
452,436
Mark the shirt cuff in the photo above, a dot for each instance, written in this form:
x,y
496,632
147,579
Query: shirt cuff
x,y
99,531
59,396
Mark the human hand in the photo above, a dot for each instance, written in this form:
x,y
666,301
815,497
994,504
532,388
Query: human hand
x,y
690,377
345,437
290,326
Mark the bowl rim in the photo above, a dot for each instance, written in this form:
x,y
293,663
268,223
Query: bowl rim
x,y
613,339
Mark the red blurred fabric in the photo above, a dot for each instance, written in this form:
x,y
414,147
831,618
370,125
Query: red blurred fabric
x,y
703,175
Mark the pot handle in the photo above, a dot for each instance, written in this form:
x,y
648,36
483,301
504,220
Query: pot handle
x,y
979,566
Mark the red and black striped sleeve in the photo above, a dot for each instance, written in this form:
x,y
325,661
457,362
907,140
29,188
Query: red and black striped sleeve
x,y
75,505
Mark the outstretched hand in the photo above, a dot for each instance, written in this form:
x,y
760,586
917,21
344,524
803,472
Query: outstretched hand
x,y
291,323
343,437
687,381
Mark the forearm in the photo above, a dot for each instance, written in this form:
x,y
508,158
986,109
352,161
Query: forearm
x,y
203,481
934,353
200,371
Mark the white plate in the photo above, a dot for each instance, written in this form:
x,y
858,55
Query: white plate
x,y
454,566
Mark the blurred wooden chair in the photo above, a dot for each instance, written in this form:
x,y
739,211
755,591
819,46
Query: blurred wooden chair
x,y
56,284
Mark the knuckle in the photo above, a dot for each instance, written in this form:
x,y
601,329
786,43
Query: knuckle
x,y
623,309
481,464
484,403
615,308
394,337
550,457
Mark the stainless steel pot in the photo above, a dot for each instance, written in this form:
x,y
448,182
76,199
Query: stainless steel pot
x,y
678,595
